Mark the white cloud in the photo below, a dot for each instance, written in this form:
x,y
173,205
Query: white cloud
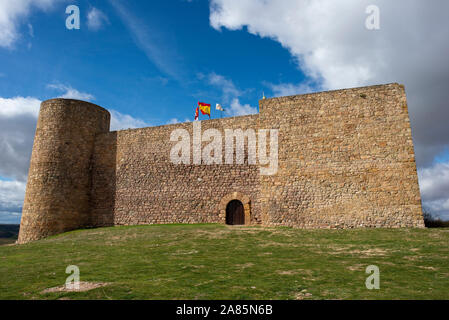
x,y
12,15
12,194
226,86
322,35
289,89
434,185
434,181
332,47
10,108
121,121
173,121
176,121
237,109
230,99
70,93
18,118
96,19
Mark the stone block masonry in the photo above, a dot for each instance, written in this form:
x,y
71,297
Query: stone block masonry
x,y
346,160
57,197
134,181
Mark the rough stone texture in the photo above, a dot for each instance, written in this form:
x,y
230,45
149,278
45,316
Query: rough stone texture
x,y
134,181
346,160
59,179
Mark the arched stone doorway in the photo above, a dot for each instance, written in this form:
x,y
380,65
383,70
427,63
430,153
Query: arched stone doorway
x,y
235,214
244,201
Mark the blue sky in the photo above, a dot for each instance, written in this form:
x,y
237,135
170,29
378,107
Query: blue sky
x,y
150,62
156,81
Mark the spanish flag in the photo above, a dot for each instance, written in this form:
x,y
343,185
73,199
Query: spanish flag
x,y
205,108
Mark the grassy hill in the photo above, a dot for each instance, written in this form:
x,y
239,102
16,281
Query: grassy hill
x,y
221,262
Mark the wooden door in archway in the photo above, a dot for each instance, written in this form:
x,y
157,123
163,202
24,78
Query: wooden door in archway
x,y
235,213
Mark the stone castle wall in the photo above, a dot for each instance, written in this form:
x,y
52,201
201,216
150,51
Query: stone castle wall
x,y
135,182
346,160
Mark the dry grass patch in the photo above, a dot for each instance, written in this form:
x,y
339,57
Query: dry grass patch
x,y
287,272
303,295
83,286
428,268
357,267
245,266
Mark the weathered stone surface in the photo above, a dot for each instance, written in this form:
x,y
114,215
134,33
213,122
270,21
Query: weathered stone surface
x,y
134,181
346,160
59,180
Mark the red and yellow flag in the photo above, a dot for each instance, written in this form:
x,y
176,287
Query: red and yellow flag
x,y
205,108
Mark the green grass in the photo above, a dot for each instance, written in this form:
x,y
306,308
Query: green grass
x,y
221,262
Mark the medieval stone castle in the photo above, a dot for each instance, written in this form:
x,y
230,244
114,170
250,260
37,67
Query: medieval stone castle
x,y
345,160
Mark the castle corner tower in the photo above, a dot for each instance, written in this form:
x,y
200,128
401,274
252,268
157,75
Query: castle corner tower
x,y
59,179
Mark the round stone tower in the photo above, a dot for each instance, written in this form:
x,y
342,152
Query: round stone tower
x,y
59,179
